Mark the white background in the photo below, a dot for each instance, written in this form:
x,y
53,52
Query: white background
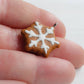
x,y
71,12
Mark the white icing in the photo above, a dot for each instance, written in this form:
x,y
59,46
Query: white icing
x,y
41,37
52,40
31,33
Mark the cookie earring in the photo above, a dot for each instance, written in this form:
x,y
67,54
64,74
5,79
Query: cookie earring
x,y
40,39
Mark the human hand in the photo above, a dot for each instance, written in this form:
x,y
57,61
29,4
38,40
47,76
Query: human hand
x,y
18,67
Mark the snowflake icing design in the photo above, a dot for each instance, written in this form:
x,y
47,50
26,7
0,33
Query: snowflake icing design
x,y
41,37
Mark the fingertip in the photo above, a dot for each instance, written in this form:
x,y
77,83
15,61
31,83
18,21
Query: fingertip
x,y
80,62
69,51
60,27
49,19
55,71
75,53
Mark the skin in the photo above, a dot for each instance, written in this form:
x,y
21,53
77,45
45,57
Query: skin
x,y
18,67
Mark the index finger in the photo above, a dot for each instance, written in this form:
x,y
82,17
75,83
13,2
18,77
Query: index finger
x,y
19,14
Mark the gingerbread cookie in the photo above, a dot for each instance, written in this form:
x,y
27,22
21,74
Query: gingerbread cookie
x,y
40,39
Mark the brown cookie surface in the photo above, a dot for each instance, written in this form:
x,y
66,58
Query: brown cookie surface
x,y
40,39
